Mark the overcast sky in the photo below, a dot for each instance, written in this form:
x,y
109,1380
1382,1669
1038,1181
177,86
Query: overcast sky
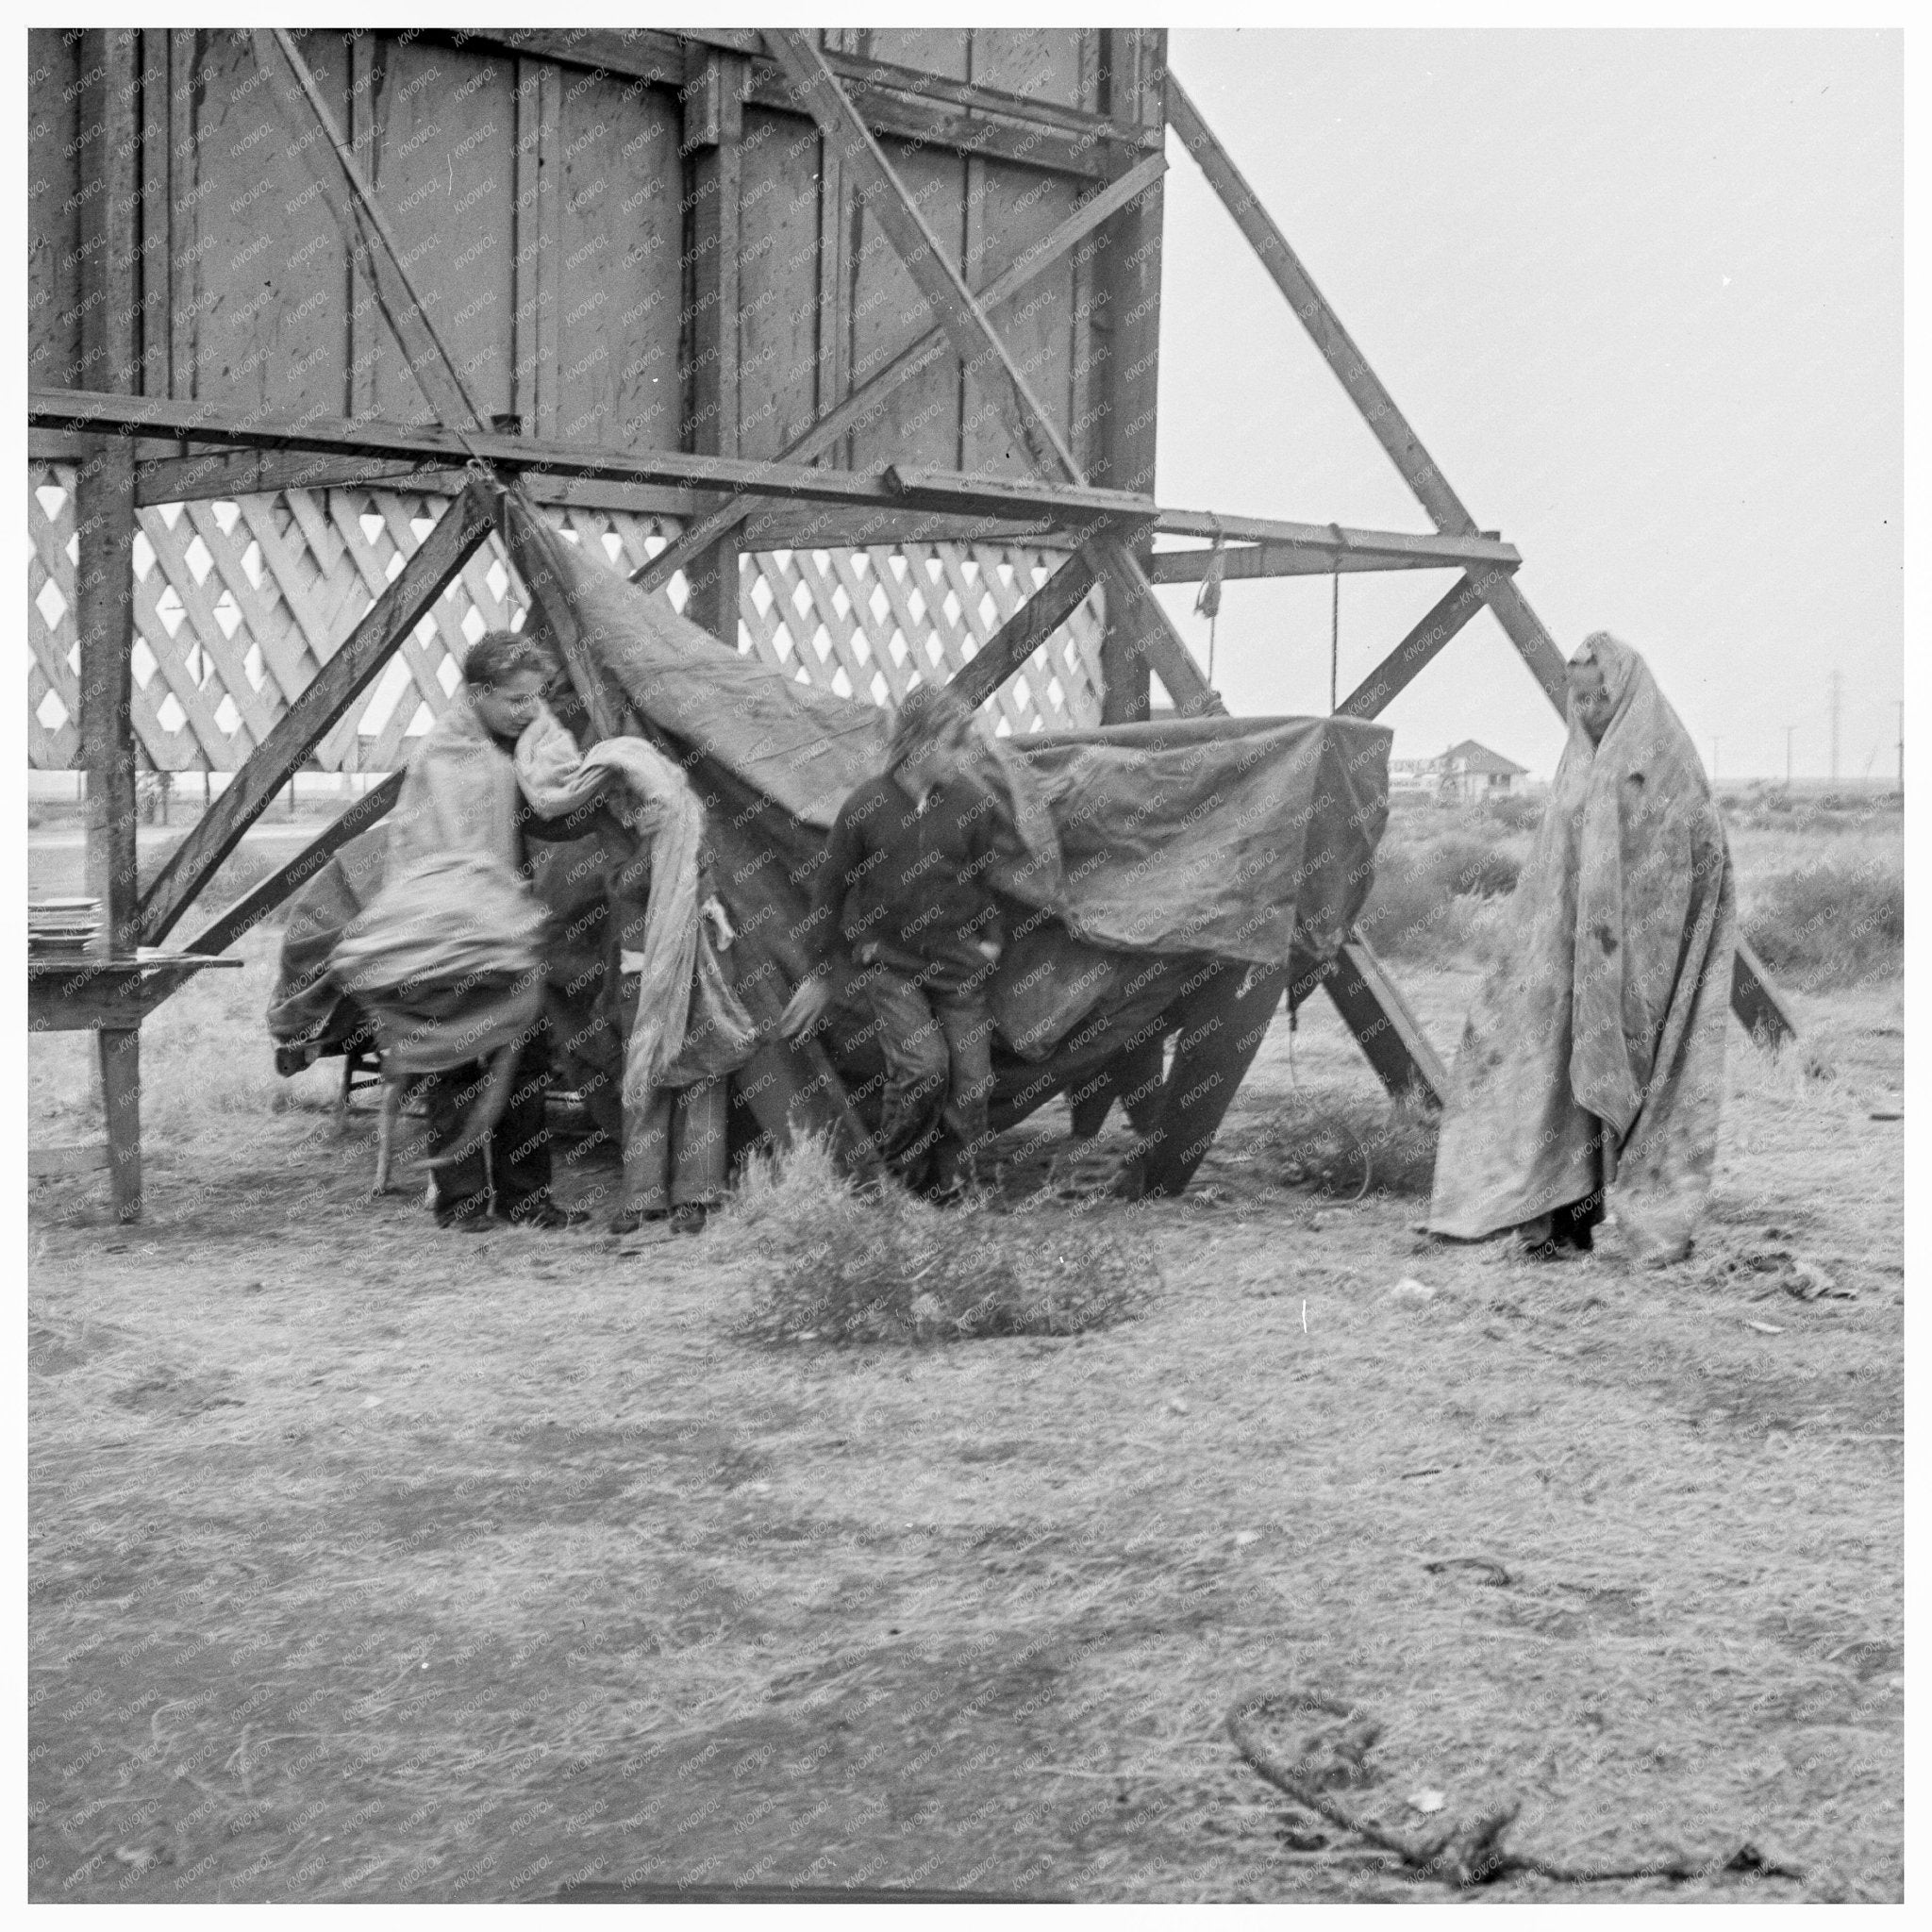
x,y
1639,296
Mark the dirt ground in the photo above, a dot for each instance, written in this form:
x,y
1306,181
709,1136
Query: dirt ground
x,y
371,1563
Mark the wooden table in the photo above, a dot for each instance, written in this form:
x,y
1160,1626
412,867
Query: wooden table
x,y
109,998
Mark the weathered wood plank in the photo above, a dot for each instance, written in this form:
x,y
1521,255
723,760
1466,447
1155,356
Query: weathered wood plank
x,y
1068,507
937,110
858,410
120,1062
256,905
1125,342
1361,550
1385,1028
1027,631
464,526
1441,622
104,484
713,130
1754,1001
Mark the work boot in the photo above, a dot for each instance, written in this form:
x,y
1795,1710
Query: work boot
x,y
635,1220
547,1216
689,1217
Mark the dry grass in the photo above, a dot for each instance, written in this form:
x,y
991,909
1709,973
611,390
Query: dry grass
x,y
373,1563
886,1267
1345,1142
1436,879
1830,924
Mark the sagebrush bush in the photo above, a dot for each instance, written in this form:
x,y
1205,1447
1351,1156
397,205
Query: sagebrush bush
x,y
1515,814
1414,907
1341,1143
886,1267
1823,925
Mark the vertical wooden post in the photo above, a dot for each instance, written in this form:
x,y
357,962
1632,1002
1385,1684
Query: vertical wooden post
x,y
103,578
119,1056
714,123
538,187
184,167
1124,385
368,331
835,275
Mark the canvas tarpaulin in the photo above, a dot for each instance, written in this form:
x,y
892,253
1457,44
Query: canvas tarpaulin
x,y
1167,876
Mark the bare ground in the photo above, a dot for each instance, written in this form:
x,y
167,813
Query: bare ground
x,y
369,1562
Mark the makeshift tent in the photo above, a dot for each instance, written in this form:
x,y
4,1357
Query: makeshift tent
x,y
1203,868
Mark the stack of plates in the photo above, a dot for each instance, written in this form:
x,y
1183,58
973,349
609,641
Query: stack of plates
x,y
61,925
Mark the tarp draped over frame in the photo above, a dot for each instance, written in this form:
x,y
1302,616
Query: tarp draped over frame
x,y
1595,1053
1247,839
1147,857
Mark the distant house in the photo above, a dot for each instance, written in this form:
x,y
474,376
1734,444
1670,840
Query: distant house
x,y
1470,770
1464,773
1415,774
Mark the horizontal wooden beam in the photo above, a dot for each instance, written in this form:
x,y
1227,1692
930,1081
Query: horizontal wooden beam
x,y
893,493
957,116
410,597
253,906
1317,556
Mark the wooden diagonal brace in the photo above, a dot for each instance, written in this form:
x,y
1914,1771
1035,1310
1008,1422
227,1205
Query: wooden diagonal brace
x,y
980,348
253,908
327,696
1391,676
365,230
1753,999
1023,633
862,403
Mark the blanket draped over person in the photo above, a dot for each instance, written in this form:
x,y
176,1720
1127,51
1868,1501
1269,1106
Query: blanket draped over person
x,y
689,1025
446,956
1594,1054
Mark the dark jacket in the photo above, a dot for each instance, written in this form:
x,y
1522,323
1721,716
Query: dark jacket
x,y
910,880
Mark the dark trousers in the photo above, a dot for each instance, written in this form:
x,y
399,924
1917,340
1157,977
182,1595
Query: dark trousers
x,y
515,1157
937,1048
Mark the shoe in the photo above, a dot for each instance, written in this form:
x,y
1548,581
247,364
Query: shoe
x,y
634,1220
467,1223
549,1217
689,1217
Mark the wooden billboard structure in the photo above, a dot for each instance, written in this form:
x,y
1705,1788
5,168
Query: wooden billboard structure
x,y
845,341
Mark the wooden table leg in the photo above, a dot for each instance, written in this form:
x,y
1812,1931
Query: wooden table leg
x,y
120,1063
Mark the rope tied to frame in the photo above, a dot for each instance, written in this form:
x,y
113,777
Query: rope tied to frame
x,y
1335,619
1207,598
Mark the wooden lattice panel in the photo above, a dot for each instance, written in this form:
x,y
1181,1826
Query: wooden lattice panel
x,y
867,623
238,605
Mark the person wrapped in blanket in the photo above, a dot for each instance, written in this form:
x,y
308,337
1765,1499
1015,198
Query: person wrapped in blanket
x,y
1592,1068
448,958
903,920
667,996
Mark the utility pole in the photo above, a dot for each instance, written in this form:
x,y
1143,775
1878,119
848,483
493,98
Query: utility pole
x,y
1838,693
1714,743
1901,748
1789,729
